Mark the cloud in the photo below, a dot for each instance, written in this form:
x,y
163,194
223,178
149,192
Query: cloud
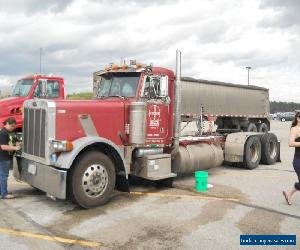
x,y
218,39
285,13
30,7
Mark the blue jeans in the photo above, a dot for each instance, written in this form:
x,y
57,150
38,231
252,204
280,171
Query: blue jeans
x,y
4,171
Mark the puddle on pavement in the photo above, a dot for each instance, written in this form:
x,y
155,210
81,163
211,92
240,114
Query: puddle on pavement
x,y
140,233
258,221
220,191
77,215
211,212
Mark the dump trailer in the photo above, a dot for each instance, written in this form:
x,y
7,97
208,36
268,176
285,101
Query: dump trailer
x,y
234,107
82,150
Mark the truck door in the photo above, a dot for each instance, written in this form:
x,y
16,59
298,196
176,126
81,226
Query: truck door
x,y
155,92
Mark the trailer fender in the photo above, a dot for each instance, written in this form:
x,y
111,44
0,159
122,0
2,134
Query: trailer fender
x,y
65,160
235,145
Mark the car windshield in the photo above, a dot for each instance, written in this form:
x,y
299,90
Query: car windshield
x,y
22,87
118,84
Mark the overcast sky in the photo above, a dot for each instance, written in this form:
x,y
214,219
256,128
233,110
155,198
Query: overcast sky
x,y
218,39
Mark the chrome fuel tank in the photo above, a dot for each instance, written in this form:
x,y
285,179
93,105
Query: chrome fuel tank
x,y
196,157
137,120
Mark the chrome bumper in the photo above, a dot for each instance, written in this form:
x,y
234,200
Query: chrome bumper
x,y
46,178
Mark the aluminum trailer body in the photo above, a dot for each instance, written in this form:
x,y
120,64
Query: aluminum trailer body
x,y
234,106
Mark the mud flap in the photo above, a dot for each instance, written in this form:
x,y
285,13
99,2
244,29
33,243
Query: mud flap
x,y
17,168
278,146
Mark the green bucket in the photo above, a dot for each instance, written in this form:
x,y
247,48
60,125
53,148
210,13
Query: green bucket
x,y
201,180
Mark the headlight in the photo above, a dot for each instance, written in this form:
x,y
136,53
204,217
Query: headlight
x,y
61,146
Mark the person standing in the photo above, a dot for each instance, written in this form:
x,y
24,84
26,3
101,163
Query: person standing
x,y
294,141
6,155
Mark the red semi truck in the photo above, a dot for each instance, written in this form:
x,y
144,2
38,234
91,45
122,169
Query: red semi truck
x,y
83,150
27,88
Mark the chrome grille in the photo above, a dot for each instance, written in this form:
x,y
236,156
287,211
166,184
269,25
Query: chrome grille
x,y
34,132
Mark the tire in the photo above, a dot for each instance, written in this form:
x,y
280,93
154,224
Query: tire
x,y
252,153
165,182
282,119
251,127
92,180
269,149
263,128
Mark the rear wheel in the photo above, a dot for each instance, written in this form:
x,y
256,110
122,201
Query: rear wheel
x,y
282,119
262,127
269,149
92,179
252,153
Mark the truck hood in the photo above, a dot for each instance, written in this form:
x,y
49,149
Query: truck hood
x,y
9,103
107,116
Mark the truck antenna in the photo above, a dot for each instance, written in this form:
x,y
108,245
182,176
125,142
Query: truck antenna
x,y
41,51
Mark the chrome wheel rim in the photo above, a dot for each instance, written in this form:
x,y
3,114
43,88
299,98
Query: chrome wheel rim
x,y
273,149
95,180
253,153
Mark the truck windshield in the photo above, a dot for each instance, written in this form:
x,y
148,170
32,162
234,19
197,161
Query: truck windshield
x,y
118,84
22,87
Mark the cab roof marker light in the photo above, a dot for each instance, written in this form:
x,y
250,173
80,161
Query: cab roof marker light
x,y
115,67
124,66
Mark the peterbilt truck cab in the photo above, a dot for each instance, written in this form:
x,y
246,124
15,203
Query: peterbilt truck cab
x,y
83,149
27,88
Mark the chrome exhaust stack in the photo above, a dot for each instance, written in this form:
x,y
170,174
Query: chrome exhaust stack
x,y
177,105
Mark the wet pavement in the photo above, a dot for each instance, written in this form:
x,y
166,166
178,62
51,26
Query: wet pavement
x,y
241,202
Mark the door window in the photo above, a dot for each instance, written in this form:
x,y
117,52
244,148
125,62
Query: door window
x,y
155,87
53,89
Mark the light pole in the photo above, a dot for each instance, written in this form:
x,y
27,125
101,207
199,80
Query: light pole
x,y
248,68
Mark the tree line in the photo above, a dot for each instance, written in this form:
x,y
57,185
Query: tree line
x,y
283,107
80,96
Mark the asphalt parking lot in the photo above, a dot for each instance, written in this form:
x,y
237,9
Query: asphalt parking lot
x,y
241,202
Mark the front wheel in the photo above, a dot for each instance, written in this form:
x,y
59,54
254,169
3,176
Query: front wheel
x,y
92,179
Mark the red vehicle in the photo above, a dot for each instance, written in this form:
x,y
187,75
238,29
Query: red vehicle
x,y
83,150
30,88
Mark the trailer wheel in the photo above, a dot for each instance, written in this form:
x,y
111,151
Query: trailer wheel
x,y
251,127
269,149
262,127
92,179
252,153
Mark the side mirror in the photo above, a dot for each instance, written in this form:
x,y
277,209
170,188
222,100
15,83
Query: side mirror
x,y
164,86
43,88
96,88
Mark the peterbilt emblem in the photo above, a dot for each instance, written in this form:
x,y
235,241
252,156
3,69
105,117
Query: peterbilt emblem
x,y
34,104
